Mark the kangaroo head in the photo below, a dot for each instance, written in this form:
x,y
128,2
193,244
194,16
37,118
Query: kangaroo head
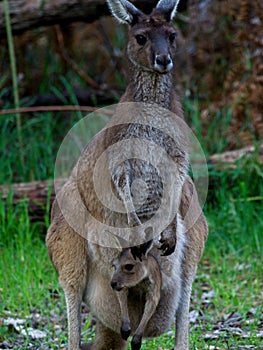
x,y
129,271
151,43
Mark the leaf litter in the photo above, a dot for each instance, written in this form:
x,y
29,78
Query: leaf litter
x,y
37,329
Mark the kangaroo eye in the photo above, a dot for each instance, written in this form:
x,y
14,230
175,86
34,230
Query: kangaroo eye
x,y
172,36
128,267
141,39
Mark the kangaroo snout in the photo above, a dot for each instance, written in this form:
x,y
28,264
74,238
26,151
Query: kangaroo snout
x,y
163,63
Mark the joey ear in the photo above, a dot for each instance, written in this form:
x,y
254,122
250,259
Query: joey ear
x,y
124,11
168,8
145,247
120,243
141,250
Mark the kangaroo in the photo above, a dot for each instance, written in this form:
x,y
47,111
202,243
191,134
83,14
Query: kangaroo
x,y
129,272
79,240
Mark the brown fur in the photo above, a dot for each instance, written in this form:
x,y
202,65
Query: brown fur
x,y
84,267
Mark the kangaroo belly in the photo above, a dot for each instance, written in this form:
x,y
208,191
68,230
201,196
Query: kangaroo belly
x,y
103,302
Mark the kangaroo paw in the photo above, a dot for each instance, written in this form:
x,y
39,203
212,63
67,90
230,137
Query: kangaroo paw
x,y
125,331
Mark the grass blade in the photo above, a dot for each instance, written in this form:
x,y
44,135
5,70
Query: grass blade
x,y
14,77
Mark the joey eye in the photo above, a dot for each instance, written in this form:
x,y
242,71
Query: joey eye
x,y
128,267
141,39
172,37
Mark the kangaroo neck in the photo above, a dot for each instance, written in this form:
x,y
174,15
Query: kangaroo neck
x,y
150,87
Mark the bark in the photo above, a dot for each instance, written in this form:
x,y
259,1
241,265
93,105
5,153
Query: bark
x,y
38,194
228,159
28,14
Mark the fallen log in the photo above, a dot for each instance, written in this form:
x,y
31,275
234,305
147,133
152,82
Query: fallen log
x,y
229,159
28,14
39,195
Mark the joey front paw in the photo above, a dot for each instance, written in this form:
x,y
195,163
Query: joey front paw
x,y
168,246
136,342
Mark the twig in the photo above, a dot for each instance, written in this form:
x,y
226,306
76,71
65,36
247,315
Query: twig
x,y
54,108
248,199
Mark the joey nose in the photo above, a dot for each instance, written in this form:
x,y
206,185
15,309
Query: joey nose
x,y
163,63
113,284
116,286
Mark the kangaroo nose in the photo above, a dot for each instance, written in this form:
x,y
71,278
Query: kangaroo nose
x,y
163,63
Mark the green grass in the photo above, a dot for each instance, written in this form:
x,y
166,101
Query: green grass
x,y
29,288
217,129
24,263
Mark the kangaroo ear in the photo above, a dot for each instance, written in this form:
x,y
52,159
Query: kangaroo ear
x,y
141,250
168,8
124,11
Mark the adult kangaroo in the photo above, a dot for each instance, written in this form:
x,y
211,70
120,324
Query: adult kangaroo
x,y
81,248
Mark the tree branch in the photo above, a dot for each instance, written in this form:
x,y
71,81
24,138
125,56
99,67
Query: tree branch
x,y
28,14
